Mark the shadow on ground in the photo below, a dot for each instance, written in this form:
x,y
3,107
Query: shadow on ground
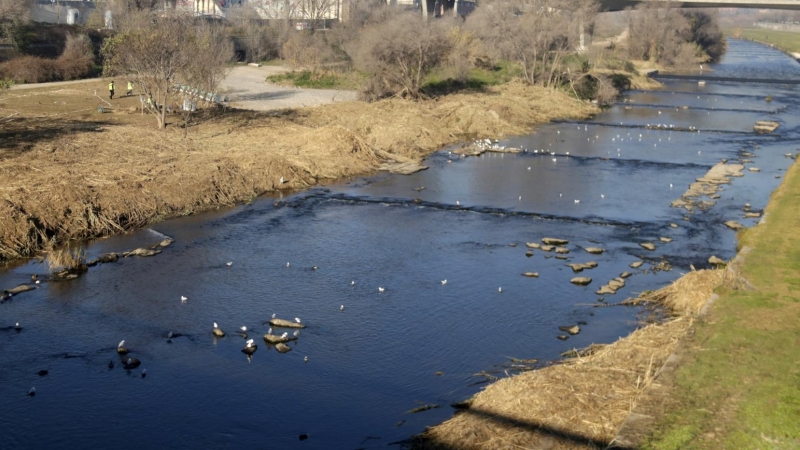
x,y
19,135
507,432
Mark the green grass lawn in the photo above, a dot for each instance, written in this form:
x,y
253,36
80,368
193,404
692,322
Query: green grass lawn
x,y
788,41
740,385
322,80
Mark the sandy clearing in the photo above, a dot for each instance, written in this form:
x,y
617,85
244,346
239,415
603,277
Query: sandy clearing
x,y
247,88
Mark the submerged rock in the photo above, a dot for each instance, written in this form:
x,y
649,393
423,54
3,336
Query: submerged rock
x,y
402,168
673,225
752,215
529,253
282,348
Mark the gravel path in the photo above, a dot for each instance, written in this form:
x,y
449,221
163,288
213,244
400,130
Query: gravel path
x,y
247,89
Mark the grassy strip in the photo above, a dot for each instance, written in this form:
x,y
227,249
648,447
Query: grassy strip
x,y
317,80
788,41
740,385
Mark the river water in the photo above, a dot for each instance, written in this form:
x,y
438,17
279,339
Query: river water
x,y
418,342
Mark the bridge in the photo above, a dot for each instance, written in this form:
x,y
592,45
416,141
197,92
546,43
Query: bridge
x,y
618,5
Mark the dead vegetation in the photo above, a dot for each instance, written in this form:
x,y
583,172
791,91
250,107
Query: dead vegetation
x,y
583,401
70,173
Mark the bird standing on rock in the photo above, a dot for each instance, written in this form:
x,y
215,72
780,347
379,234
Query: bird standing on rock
x,y
249,348
217,331
121,348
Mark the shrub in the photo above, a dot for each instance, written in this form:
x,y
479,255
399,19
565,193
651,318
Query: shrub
x,y
398,55
76,61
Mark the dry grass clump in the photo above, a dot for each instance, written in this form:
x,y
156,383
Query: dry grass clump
x,y
65,258
582,402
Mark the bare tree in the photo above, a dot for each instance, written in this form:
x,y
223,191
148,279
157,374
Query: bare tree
x,y
316,11
657,32
399,53
13,13
533,33
170,50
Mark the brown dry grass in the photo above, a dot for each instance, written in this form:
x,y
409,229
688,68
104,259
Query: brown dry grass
x,y
582,402
70,173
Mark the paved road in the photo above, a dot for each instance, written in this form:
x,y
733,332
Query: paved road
x,y
247,89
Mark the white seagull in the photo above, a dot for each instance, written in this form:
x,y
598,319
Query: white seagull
x,y
341,308
297,319
184,299
229,263
500,290
380,289
444,282
353,283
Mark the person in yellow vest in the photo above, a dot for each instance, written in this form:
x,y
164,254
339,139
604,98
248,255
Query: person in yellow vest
x,y
111,90
130,88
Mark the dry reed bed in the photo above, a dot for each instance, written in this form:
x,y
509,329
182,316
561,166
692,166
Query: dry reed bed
x,y
71,174
582,402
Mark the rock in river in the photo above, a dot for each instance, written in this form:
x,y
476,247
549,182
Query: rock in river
x,y
765,126
286,323
279,339
714,261
648,246
582,281
531,274
625,274
594,250
571,329
734,225
562,250
141,252
282,348
554,241
665,239
533,245
548,248
636,264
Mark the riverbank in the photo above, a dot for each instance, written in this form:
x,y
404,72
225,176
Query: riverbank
x,y
72,173
722,373
737,383
786,41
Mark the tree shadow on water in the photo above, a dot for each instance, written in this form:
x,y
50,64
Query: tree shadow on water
x,y
529,434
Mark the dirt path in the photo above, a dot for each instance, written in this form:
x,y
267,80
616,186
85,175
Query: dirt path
x,y
247,88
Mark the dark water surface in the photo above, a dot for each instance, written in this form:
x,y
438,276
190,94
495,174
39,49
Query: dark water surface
x,y
371,363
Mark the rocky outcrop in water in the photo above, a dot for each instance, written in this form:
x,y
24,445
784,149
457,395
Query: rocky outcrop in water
x,y
554,241
286,323
707,185
594,250
765,126
581,281
648,246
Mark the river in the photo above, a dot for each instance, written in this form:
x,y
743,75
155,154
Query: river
x,y
420,341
